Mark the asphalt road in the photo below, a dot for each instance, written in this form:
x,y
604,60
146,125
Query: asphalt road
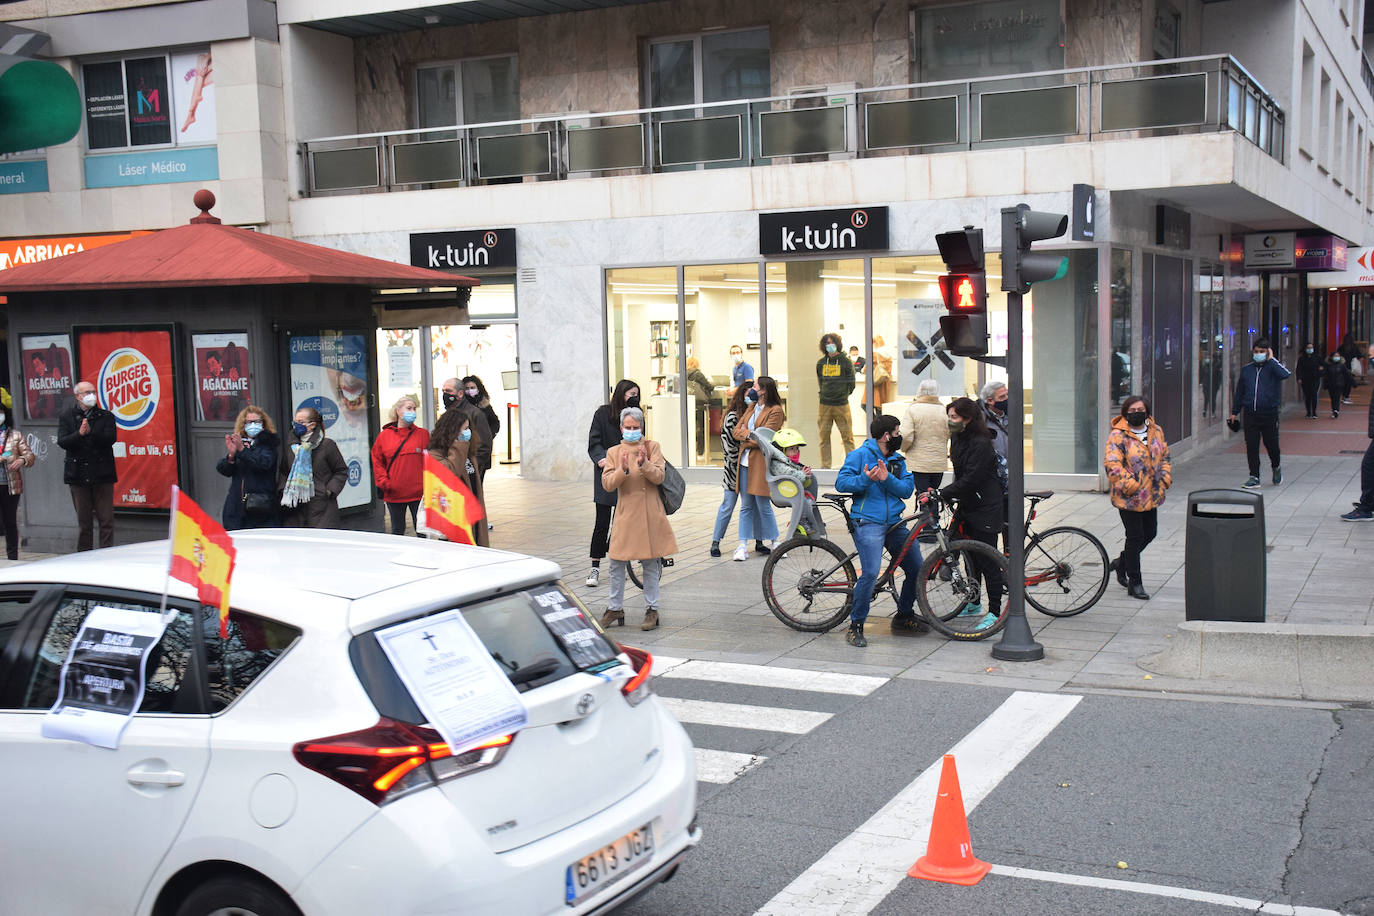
x,y
1255,800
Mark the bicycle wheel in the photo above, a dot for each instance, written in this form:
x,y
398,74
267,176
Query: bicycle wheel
x,y
950,591
1066,571
632,575
809,584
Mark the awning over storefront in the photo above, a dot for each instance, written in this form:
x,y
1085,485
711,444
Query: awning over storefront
x,y
207,253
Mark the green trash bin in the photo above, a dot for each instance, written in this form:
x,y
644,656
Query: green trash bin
x,y
1224,557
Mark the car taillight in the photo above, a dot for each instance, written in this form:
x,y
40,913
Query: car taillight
x,y
392,759
637,687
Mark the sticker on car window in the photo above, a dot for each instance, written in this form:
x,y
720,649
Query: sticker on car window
x,y
463,692
103,677
573,628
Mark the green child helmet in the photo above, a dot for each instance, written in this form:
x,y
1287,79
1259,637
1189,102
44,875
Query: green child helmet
x,y
788,437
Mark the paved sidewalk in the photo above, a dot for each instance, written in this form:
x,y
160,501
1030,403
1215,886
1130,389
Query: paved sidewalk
x,y
1319,573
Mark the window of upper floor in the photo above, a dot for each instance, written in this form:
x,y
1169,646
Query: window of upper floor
x,y
149,100
987,38
708,67
474,91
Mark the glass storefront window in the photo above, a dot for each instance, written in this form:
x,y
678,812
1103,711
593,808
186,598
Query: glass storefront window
x,y
1211,358
807,299
1121,382
642,340
722,311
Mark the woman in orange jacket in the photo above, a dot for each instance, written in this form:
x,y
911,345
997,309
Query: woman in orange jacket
x,y
1138,468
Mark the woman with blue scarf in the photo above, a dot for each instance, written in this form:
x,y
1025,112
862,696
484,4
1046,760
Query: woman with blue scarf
x,y
315,472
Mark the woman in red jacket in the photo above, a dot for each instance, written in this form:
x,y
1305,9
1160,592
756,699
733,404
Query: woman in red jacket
x,y
398,463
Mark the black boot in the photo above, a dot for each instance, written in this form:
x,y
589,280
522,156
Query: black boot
x,y
855,636
1120,569
1136,590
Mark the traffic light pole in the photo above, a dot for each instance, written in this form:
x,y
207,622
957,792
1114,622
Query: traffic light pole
x,y
1016,644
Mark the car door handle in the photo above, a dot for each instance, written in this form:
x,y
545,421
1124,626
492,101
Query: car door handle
x,y
156,777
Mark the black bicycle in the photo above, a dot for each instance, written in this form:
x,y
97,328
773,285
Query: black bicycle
x,y
1066,567
808,582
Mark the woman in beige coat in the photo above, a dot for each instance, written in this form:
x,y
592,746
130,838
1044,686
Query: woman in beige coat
x,y
925,433
755,508
633,471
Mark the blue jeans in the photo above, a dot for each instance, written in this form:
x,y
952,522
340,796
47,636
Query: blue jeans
x,y
869,539
727,509
756,521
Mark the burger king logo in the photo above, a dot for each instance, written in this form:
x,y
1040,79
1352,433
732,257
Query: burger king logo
x,y
128,387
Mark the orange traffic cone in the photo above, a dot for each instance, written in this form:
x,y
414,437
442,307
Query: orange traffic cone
x,y
949,854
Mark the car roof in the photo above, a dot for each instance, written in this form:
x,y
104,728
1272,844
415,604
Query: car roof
x,y
286,564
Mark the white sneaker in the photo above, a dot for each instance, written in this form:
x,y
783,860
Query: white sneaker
x,y
741,553
594,577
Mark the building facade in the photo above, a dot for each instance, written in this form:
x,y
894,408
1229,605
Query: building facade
x,y
643,186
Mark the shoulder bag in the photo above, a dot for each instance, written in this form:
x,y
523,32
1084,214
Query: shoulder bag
x,y
673,488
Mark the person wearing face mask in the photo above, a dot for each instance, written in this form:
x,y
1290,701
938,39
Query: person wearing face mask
x,y
475,393
87,433
741,372
601,437
756,519
454,397
314,471
634,469
1259,393
835,380
398,461
16,455
877,475
251,455
977,489
451,446
1336,375
994,402
1309,371
1138,469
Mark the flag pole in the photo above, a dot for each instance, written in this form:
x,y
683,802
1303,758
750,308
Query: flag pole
x,y
171,548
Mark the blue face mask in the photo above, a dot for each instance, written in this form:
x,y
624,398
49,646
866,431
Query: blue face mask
x,y
252,429
1259,357
299,429
408,416
751,396
830,348
632,435
465,435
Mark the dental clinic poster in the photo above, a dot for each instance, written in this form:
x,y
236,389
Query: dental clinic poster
x,y
329,373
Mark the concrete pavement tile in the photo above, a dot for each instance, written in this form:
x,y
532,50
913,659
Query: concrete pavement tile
x,y
1005,678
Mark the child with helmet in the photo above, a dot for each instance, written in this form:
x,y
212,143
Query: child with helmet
x,y
785,461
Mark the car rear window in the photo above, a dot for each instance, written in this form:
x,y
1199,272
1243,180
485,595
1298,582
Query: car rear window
x,y
538,635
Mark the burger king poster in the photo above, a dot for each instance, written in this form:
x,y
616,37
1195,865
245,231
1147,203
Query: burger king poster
x,y
132,374
222,385
47,367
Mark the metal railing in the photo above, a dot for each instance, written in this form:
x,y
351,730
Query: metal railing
x,y
1156,98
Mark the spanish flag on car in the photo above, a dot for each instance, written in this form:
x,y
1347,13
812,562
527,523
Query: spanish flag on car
x,y
202,555
449,507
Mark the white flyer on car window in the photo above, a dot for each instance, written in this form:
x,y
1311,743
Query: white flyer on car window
x,y
460,688
102,681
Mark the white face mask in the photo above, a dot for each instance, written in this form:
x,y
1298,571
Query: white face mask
x,y
88,400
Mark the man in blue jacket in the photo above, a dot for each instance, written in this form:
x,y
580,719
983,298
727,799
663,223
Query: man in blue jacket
x,y
877,476
1259,393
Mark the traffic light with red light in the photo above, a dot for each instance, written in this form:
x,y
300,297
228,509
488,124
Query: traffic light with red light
x,y
965,292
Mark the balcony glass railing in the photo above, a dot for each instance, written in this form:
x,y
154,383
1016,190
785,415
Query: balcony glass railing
x,y
1158,98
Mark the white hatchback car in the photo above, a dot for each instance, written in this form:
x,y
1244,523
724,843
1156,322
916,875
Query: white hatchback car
x,y
287,769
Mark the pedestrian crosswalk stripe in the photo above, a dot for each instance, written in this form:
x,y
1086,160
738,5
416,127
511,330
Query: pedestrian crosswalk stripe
x,y
739,715
858,873
723,766
768,676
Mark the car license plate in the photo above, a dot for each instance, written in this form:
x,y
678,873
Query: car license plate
x,y
610,863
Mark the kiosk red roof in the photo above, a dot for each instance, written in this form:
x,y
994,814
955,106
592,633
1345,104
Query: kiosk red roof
x,y
206,253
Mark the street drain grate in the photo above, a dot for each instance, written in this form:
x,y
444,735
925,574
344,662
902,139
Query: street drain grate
x,y
1351,451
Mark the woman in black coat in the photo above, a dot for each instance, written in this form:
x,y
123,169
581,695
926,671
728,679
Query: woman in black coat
x,y
250,462
604,434
1309,372
977,488
476,394
326,474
